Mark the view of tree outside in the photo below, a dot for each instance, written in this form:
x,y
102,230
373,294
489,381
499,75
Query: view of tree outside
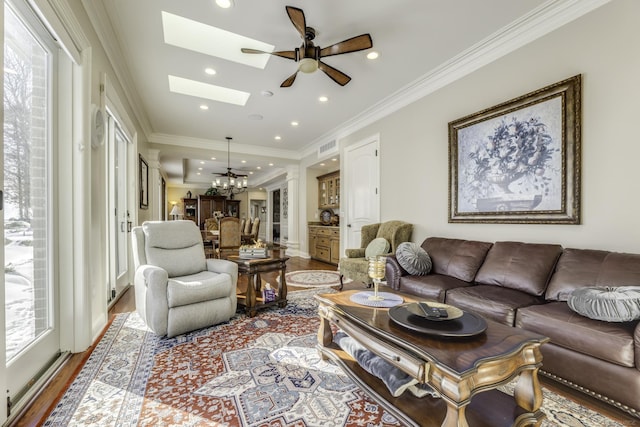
x,y
25,183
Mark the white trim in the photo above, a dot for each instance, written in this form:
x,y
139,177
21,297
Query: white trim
x,y
212,144
109,40
548,17
63,25
109,97
84,324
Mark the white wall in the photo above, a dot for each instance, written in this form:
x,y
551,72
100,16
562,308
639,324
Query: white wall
x,y
603,47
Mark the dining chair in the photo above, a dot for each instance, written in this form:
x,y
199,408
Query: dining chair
x,y
230,237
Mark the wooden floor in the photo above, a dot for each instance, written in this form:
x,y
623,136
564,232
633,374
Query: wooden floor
x,y
39,409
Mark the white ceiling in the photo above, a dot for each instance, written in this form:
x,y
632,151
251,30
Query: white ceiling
x,y
413,37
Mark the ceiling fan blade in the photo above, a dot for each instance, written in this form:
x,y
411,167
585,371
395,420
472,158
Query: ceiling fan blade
x,y
290,80
289,54
353,44
336,75
297,19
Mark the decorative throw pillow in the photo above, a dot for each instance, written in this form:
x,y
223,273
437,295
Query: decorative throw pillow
x,y
415,260
378,246
610,304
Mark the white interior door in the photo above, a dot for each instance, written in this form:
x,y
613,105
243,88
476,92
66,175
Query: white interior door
x,y
361,195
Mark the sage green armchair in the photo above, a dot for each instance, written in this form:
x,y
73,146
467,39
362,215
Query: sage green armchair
x,y
354,266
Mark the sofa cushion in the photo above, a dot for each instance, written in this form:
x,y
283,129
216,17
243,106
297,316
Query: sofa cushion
x,y
526,267
456,258
613,342
413,258
495,303
579,268
431,286
378,246
609,304
195,288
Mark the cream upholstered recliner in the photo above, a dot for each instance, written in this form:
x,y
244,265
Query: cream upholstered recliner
x,y
177,289
355,265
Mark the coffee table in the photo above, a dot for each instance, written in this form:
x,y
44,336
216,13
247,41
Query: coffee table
x,y
465,371
252,299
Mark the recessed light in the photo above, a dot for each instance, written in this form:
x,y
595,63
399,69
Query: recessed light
x,y
210,71
201,162
255,117
294,123
198,173
321,164
373,55
213,158
270,164
258,167
334,160
277,137
199,169
204,107
251,173
225,4
323,99
243,161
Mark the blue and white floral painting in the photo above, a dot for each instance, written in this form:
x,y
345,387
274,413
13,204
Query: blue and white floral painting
x,y
513,162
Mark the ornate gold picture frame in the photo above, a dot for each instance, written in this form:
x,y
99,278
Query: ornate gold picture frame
x,y
519,162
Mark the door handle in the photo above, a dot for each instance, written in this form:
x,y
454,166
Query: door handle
x,y
122,227
349,225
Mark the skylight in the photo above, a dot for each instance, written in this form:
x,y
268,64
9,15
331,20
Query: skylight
x,y
193,35
209,91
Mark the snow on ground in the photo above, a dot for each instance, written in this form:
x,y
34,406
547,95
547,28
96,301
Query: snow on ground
x,y
19,298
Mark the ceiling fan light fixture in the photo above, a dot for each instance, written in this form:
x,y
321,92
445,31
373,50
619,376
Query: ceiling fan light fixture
x,y
308,65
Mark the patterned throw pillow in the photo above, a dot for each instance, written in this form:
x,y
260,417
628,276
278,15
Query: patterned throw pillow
x,y
610,304
415,260
378,246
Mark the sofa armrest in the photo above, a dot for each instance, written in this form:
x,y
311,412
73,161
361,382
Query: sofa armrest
x,y
354,253
151,291
393,272
636,344
224,266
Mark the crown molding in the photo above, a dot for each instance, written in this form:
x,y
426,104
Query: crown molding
x,y
546,18
109,40
211,144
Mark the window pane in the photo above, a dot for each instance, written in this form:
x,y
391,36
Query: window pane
x,y
26,179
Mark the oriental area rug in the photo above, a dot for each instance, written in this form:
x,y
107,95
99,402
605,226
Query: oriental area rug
x,y
314,278
260,371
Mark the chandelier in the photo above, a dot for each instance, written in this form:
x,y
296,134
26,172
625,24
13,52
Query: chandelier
x,y
229,182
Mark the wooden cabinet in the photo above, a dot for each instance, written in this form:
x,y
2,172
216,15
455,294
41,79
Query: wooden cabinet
x,y
190,209
324,243
329,190
207,205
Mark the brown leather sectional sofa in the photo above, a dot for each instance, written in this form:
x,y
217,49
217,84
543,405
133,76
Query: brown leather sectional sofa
x,y
527,285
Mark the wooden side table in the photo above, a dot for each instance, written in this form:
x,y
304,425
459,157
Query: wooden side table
x,y
252,268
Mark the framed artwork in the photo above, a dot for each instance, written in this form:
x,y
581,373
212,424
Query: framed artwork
x,y
519,162
144,182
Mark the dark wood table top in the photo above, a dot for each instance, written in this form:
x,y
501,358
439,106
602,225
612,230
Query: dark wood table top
x,y
459,354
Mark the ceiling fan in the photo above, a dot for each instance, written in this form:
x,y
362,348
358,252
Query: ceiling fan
x,y
309,55
229,174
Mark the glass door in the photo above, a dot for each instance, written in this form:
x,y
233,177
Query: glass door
x,y
121,221
31,332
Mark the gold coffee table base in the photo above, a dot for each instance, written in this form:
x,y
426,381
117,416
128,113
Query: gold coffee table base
x,y
465,372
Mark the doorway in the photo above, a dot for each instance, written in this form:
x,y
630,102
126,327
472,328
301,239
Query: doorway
x,y
361,191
